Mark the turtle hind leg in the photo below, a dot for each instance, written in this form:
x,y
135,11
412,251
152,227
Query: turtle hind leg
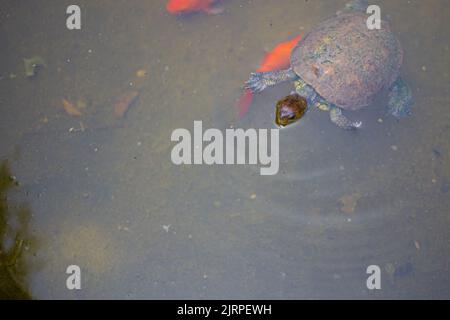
x,y
338,118
400,99
355,5
261,80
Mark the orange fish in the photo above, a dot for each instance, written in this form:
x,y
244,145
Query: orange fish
x,y
278,58
188,6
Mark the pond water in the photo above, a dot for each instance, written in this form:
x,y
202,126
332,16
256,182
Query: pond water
x,y
102,193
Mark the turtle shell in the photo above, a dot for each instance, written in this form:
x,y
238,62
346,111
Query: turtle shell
x,y
345,62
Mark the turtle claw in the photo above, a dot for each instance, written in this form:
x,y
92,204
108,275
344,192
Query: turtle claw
x,y
357,124
338,118
255,83
352,126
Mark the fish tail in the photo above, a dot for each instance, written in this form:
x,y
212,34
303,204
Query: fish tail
x,y
244,103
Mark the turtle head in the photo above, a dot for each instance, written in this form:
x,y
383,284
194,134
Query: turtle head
x,y
290,109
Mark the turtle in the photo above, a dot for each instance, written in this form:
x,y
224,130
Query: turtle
x,y
342,65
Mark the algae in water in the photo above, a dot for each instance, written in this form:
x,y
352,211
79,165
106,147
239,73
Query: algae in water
x,y
11,270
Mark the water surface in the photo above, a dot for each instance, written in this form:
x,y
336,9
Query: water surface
x,y
103,193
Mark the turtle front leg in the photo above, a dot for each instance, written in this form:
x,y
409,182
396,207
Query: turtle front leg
x,y
261,80
400,99
338,118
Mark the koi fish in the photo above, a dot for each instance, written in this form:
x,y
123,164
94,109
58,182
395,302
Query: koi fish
x,y
278,58
189,6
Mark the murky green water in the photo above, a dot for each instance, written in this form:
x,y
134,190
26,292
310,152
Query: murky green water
x,y
102,192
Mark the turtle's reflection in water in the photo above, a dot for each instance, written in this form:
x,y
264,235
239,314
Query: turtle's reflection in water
x,y
13,241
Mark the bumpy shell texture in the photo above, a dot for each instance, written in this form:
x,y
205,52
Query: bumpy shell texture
x,y
345,62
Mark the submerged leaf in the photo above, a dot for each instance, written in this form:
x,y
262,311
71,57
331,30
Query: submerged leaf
x,y
31,64
81,104
141,73
71,109
349,202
